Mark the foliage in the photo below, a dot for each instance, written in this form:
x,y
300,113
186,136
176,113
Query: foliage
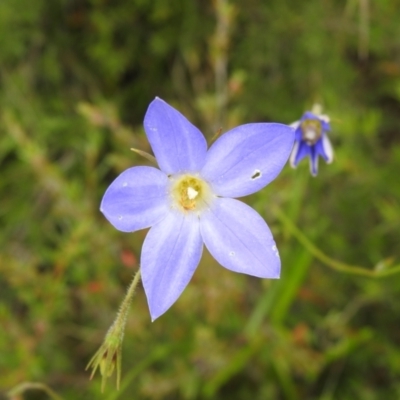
x,y
76,77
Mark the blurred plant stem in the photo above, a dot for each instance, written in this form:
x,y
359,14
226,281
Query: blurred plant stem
x,y
109,354
15,392
363,43
48,175
224,14
380,270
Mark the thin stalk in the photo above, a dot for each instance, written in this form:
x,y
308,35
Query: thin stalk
x,y
109,355
328,261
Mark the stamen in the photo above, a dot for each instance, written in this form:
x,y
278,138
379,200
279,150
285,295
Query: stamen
x,y
191,193
311,131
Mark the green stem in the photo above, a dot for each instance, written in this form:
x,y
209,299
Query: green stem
x,y
24,386
109,354
146,155
330,262
123,310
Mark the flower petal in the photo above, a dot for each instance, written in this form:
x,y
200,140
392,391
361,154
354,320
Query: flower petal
x,y
293,154
298,134
314,161
177,144
239,239
324,148
247,158
170,254
303,150
136,199
295,124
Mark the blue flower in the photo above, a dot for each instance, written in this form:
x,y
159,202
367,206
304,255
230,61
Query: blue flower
x,y
189,201
311,140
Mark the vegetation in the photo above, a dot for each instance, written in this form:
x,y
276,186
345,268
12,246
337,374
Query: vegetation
x,y
76,77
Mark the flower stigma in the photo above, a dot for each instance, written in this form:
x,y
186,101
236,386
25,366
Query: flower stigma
x,y
190,193
311,130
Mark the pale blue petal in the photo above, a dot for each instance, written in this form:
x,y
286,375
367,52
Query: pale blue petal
x,y
177,144
170,254
314,161
239,239
247,158
293,154
324,148
137,199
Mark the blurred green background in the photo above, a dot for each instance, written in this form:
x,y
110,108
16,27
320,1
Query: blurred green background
x,y
76,77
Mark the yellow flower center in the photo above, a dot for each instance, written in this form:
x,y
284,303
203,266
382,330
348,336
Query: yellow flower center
x,y
190,193
311,130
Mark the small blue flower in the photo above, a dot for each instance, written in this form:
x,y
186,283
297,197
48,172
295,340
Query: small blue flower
x,y
188,201
311,140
